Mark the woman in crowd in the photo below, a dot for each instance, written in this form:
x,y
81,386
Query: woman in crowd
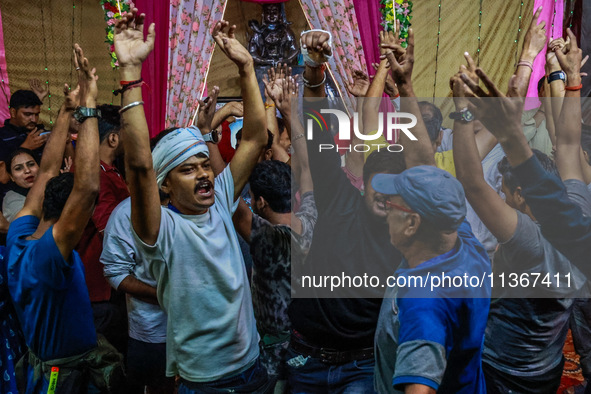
x,y
23,170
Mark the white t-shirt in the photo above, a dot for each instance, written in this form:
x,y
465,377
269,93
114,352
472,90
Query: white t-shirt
x,y
203,287
120,257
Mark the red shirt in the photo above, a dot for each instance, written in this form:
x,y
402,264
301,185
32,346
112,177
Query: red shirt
x,y
113,190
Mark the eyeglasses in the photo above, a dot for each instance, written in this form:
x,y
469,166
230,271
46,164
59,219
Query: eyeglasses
x,y
399,207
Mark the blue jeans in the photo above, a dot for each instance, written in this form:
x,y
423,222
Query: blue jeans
x,y
253,380
314,376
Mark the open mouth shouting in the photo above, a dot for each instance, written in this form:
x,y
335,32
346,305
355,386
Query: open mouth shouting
x,y
204,189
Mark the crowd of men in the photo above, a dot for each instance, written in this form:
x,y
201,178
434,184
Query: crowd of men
x,y
175,264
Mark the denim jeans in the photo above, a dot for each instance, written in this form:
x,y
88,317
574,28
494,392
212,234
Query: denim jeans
x,y
314,376
253,380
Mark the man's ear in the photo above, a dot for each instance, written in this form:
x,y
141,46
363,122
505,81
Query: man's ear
x,y
166,186
12,113
268,154
518,197
260,203
413,222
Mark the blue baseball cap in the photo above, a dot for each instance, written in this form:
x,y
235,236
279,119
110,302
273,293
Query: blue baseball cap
x,y
433,193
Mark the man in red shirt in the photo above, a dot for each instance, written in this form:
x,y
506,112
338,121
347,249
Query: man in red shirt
x,y
109,317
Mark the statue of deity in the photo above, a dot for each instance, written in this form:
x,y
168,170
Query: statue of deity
x,y
273,41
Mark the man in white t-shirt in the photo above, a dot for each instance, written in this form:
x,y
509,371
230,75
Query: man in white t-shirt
x,y
127,270
191,245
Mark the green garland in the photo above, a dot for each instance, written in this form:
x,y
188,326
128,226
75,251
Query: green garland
x,y
112,13
393,10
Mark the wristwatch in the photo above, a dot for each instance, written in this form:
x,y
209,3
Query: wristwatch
x,y
557,75
213,137
83,113
464,115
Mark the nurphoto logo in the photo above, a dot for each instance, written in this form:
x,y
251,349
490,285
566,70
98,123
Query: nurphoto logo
x,y
393,120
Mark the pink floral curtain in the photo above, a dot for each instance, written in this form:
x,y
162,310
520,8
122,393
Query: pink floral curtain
x,y
190,51
339,17
4,87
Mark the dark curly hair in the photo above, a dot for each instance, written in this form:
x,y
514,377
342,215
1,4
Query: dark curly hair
x,y
271,179
57,191
109,121
383,162
510,179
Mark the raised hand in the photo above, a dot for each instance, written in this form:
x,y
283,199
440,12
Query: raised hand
x,y
571,61
72,97
469,70
559,43
207,110
228,43
501,115
390,41
86,78
535,39
360,84
290,89
67,165
317,45
40,89
130,47
390,87
402,63
273,82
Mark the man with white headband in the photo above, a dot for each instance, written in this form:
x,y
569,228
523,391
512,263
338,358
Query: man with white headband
x,y
191,246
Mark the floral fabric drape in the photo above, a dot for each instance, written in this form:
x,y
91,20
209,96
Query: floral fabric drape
x,y
339,17
191,48
4,86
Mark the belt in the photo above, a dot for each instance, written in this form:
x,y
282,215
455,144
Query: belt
x,y
330,356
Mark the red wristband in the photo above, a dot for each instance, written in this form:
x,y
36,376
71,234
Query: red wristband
x,y
574,88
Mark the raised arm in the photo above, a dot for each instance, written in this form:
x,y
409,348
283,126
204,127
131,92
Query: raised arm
x,y
132,50
316,48
501,115
254,131
497,216
568,132
354,160
205,119
534,42
273,84
420,151
79,206
52,155
286,103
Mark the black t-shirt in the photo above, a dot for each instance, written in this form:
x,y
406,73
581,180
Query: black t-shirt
x,y
347,238
11,137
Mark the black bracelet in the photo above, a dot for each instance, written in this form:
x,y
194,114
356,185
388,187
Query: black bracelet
x,y
127,86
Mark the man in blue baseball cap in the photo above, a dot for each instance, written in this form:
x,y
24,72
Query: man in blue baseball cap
x,y
432,320
433,328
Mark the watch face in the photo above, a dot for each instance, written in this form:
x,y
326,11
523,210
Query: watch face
x,y
467,116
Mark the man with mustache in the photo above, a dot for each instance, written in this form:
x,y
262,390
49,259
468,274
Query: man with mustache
x,y
191,246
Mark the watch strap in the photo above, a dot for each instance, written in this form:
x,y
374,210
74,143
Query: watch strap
x,y
557,75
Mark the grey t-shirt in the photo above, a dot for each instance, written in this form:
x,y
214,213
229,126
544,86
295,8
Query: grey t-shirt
x,y
12,204
525,336
120,257
204,289
579,193
271,247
